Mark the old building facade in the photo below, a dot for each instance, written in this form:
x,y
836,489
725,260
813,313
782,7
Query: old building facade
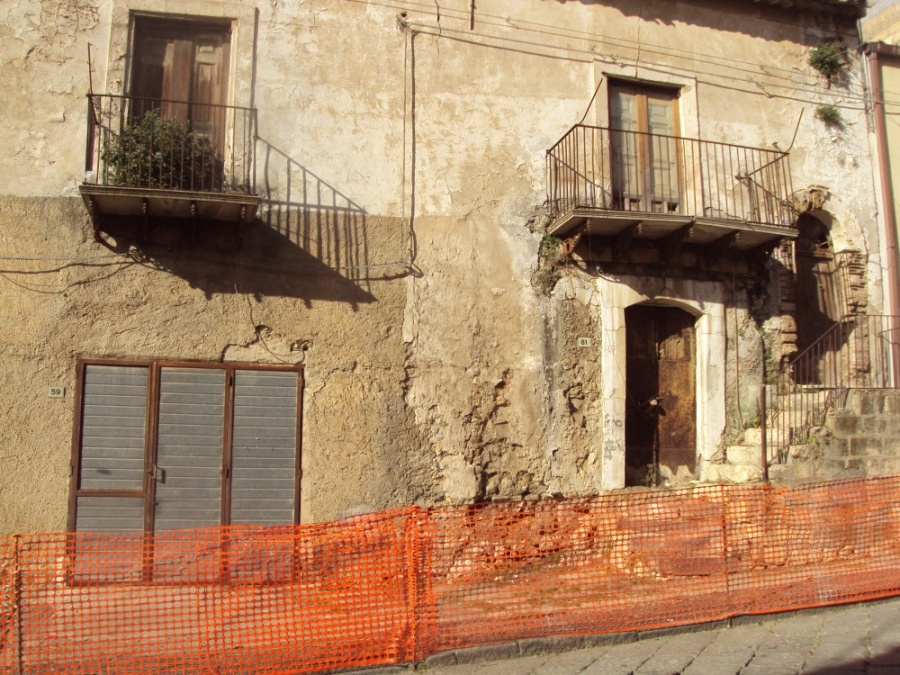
x,y
411,252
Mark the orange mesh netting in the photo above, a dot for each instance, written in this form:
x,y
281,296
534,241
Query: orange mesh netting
x,y
400,585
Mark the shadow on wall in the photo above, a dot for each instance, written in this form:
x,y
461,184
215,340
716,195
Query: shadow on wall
x,y
309,242
736,15
312,214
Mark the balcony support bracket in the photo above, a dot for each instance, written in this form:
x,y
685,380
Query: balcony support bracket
x,y
240,226
571,242
193,220
95,218
145,223
671,244
624,239
714,252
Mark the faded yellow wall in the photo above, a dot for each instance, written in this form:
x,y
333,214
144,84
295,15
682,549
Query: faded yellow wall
x,y
401,163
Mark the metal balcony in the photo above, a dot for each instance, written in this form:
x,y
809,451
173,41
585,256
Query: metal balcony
x,y
169,159
625,184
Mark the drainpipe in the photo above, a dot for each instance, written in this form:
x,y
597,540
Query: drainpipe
x,y
871,51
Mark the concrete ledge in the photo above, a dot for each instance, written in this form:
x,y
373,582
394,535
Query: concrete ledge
x,y
374,670
545,645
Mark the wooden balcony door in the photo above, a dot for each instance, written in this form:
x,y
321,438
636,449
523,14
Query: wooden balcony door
x,y
644,123
181,68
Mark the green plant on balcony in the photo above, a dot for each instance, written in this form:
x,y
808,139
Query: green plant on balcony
x,y
159,152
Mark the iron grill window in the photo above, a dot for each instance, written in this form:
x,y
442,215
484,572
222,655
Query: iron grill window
x,y
171,445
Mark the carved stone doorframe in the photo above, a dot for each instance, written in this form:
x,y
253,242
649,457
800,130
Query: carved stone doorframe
x,y
706,301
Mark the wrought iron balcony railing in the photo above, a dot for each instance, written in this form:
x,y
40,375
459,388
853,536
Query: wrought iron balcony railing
x,y
626,171
857,352
167,145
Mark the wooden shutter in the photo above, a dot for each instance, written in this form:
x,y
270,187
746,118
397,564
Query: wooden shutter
x,y
623,116
643,120
153,447
114,405
184,64
264,448
662,149
189,448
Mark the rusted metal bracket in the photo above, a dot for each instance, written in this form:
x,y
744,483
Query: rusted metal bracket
x,y
240,226
95,218
568,245
145,223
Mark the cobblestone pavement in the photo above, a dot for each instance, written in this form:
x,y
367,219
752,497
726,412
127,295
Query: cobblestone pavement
x,y
861,638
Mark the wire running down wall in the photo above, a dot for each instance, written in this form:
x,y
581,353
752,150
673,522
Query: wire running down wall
x,y
401,585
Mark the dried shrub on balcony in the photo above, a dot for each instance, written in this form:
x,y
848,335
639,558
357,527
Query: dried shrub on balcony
x,y
158,152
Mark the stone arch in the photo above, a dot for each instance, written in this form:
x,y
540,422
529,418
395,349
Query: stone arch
x,y
844,228
848,243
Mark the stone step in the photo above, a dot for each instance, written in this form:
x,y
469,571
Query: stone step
x,y
732,473
743,454
775,436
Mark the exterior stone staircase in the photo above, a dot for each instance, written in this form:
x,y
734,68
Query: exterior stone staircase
x,y
833,411
743,460
861,437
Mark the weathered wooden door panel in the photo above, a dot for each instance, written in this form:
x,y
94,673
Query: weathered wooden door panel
x,y
181,67
677,428
660,418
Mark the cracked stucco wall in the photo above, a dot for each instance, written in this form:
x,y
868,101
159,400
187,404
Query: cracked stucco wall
x,y
401,166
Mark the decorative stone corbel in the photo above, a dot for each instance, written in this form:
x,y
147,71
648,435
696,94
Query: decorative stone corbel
x,y
810,197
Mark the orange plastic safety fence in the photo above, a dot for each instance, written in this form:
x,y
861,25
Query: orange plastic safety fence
x,y
400,585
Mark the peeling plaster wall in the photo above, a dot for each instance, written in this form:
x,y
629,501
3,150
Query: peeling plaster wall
x,y
256,305
401,167
576,405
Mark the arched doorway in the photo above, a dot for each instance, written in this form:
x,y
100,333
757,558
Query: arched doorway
x,y
661,408
819,291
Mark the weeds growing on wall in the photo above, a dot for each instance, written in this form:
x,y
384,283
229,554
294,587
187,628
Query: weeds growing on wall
x,y
549,261
549,249
830,116
828,59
